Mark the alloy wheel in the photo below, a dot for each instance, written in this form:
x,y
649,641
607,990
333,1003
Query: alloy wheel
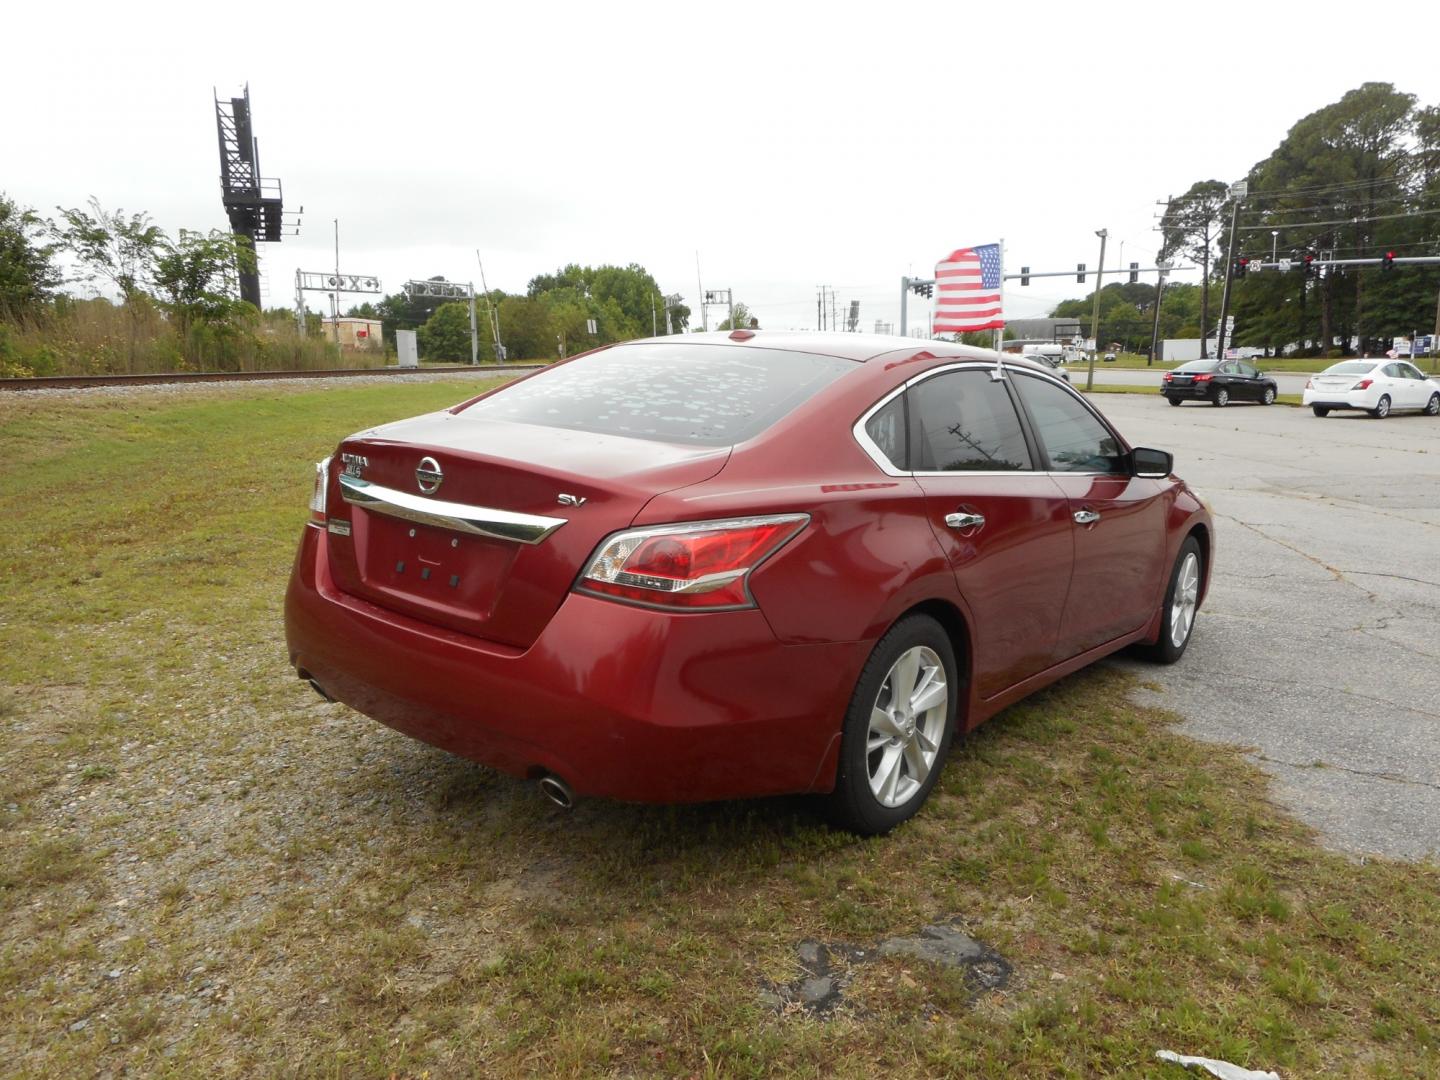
x,y
1269,395
1185,600
907,726
1432,407
1222,397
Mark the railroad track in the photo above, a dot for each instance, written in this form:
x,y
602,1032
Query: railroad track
x,y
84,382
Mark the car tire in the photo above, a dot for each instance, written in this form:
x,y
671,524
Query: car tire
x,y
1177,620
1432,407
883,752
1220,398
1268,397
1382,407
1173,400
1319,410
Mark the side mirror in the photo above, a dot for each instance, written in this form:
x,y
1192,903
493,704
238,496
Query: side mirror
x,y
1151,463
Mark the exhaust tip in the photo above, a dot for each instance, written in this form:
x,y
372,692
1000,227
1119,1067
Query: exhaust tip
x,y
320,690
558,792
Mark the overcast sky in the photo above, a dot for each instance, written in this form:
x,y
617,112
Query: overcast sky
x,y
790,145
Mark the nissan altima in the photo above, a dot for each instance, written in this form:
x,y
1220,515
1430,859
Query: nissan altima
x,y
729,565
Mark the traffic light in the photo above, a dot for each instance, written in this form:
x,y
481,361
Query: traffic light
x,y
923,288
1134,273
1307,265
1387,261
1080,273
1024,275
1242,266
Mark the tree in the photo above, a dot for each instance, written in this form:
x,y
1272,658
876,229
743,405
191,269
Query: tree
x,y
110,246
1190,227
446,334
194,279
28,274
743,319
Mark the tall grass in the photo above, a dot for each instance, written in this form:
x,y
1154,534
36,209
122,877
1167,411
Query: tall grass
x,y
97,337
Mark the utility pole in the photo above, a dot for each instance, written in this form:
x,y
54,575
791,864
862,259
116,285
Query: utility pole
x,y
1095,310
704,308
494,314
337,282
1238,191
1155,333
904,303
1435,341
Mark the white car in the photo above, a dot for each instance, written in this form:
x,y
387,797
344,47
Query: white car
x,y
1377,386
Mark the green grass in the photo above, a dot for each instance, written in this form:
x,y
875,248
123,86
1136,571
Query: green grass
x,y
1300,365
1154,391
204,869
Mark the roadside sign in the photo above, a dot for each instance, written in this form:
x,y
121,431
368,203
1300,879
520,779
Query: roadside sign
x,y
1284,265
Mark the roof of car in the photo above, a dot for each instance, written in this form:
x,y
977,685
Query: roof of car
x,y
858,347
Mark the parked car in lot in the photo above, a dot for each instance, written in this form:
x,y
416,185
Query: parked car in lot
x,y
1378,387
1219,382
716,566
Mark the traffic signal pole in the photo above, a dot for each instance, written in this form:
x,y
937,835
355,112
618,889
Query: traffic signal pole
x,y
1238,191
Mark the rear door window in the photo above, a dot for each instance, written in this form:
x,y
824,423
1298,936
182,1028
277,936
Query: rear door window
x,y
886,429
1074,438
713,395
964,421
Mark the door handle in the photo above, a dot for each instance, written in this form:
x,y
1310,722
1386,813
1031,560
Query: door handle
x,y
1085,517
964,521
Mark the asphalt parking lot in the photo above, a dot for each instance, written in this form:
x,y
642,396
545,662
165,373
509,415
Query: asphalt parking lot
x,y
1319,645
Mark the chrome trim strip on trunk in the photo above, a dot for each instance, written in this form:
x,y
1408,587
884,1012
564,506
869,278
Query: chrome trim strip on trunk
x,y
477,520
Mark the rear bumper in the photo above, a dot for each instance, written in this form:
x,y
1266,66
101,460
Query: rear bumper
x,y
619,701
1332,399
1187,393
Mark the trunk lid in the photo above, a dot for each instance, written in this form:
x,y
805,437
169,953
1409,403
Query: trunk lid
x,y
482,553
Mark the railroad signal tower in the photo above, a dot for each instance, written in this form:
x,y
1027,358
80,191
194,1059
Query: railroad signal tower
x,y
253,203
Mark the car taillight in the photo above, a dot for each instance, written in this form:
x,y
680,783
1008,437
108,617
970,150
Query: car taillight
x,y
1203,378
1363,384
1168,376
699,565
317,496
1309,385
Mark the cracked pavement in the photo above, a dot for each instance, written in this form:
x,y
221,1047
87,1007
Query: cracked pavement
x,y
1319,644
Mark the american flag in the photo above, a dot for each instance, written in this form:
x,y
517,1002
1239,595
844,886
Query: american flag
x,y
967,291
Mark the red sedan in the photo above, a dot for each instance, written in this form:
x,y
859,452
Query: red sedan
x,y
722,565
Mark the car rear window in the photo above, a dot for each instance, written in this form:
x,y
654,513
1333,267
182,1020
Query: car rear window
x,y
1199,365
1353,367
714,395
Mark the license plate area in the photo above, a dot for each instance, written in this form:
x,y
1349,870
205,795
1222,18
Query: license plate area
x,y
434,573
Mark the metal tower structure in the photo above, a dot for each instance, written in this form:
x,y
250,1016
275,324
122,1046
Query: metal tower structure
x,y
253,203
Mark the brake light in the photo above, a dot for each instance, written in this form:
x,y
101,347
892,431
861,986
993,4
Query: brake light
x,y
1363,384
1168,376
1309,385
700,565
317,495
1203,378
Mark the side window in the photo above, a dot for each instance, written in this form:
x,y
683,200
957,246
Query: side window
x,y
1249,372
1411,372
965,421
1073,437
1393,371
887,431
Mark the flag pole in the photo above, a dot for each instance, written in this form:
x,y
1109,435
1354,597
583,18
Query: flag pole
x,y
1000,330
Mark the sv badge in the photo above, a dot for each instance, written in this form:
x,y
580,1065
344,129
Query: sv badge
x,y
570,500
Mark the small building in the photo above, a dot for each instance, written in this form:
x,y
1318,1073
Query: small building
x,y
359,334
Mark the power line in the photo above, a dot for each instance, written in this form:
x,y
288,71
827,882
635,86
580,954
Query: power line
x,y
1337,221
